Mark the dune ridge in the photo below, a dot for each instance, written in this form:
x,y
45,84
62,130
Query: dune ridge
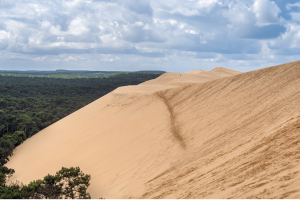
x,y
214,134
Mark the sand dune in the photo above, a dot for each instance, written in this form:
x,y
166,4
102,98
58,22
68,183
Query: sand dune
x,y
221,71
225,71
208,134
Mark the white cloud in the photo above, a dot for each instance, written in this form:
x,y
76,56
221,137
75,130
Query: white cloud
x,y
40,58
70,58
77,27
146,34
266,12
239,13
207,4
45,24
4,35
109,58
138,23
191,31
289,6
288,41
172,21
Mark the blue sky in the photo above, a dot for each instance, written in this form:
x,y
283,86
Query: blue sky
x,y
170,35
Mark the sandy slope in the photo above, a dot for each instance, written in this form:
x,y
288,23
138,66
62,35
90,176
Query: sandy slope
x,y
204,134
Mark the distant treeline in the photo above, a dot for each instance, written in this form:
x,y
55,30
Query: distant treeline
x,y
30,104
68,74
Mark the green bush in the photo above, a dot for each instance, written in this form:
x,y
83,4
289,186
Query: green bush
x,y
66,183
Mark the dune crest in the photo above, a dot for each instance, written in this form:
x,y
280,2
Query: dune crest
x,y
173,79
225,71
182,135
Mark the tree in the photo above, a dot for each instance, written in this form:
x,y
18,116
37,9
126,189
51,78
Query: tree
x,y
67,183
76,183
24,121
82,192
2,127
6,149
19,136
52,187
5,173
33,190
2,179
2,112
7,118
10,192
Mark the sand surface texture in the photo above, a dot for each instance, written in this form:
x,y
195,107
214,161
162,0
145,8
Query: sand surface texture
x,y
201,134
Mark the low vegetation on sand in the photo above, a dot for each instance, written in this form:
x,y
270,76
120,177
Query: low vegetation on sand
x,y
66,183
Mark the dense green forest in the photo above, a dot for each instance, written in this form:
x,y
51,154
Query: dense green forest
x,y
30,102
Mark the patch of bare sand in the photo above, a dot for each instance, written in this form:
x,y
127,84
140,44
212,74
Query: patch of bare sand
x,y
185,137
197,71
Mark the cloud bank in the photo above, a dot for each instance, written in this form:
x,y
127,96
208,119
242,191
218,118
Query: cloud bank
x,y
171,35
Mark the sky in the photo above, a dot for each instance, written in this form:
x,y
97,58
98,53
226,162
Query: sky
x,y
130,35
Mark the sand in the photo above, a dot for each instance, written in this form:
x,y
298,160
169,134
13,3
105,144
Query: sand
x,y
202,134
